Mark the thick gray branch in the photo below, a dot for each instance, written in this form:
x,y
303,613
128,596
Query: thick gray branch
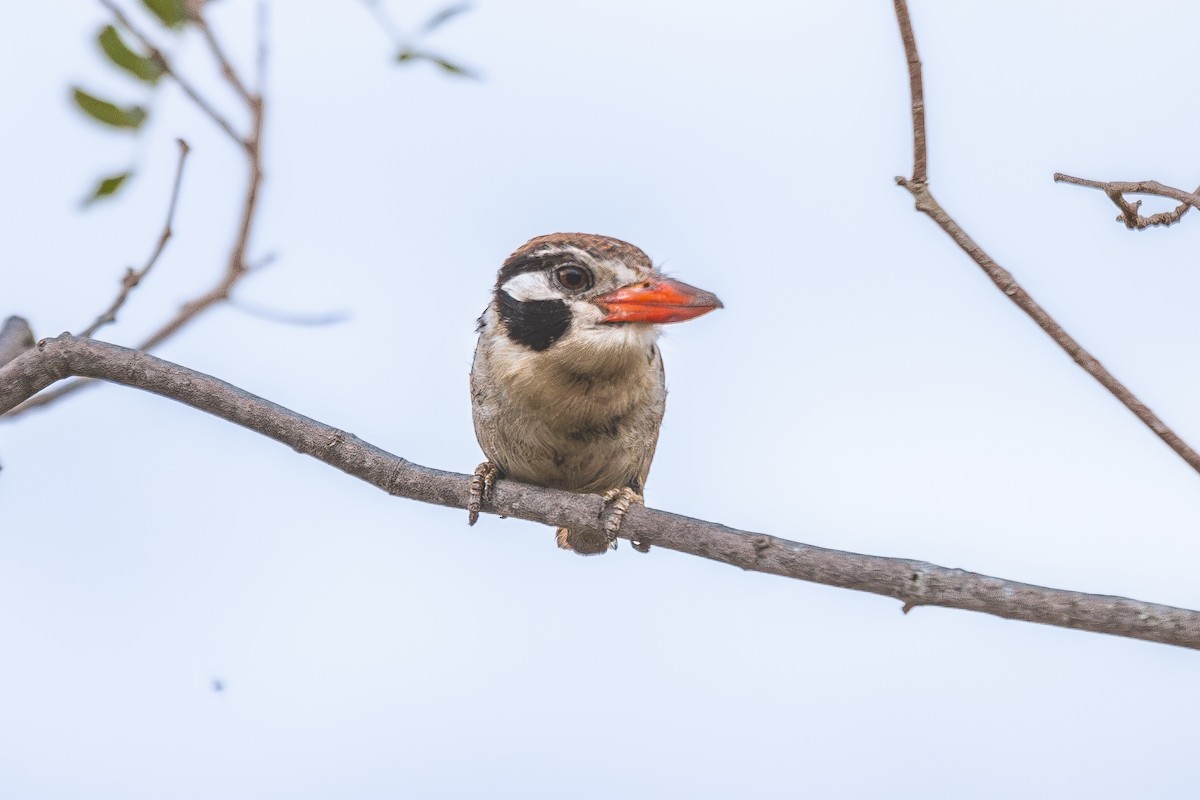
x,y
915,583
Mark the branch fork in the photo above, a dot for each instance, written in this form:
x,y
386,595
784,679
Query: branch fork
x,y
1130,214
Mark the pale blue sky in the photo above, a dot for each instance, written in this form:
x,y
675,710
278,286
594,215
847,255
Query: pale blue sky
x,y
865,388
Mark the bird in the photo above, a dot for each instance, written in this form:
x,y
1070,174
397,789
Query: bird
x,y
567,383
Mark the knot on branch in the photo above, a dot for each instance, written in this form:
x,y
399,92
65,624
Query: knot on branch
x,y
914,592
912,185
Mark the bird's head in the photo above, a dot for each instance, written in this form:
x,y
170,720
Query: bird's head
x,y
596,291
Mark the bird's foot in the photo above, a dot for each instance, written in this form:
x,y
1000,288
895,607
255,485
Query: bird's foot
x,y
481,489
616,503
595,542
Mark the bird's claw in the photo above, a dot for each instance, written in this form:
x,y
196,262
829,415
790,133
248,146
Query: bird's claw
x,y
616,503
481,489
562,538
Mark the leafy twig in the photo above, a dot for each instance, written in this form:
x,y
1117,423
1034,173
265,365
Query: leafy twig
x,y
182,82
406,47
236,266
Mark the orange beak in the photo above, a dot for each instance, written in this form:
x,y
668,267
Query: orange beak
x,y
657,301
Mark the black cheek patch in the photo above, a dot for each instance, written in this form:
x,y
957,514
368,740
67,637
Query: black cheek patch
x,y
537,324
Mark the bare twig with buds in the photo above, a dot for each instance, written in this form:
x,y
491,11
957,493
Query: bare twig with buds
x,y
918,185
1130,214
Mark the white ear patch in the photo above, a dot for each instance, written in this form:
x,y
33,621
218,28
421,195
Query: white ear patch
x,y
531,286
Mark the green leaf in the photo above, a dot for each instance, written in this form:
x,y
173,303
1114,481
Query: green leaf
x,y
170,12
107,187
409,55
452,68
144,68
109,113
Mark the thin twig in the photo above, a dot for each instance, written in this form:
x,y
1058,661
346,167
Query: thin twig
x,y
916,88
386,24
290,317
913,583
15,338
1131,212
157,54
260,59
227,71
925,202
134,277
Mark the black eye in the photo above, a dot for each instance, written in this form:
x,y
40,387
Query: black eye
x,y
573,278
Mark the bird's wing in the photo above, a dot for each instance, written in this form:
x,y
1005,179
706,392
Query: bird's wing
x,y
638,483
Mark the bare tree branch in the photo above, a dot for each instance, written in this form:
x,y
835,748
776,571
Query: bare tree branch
x,y
914,583
916,89
15,338
1130,212
919,187
134,277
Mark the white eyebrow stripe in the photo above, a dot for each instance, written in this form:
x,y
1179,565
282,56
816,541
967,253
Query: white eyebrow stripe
x,y
624,273
530,286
